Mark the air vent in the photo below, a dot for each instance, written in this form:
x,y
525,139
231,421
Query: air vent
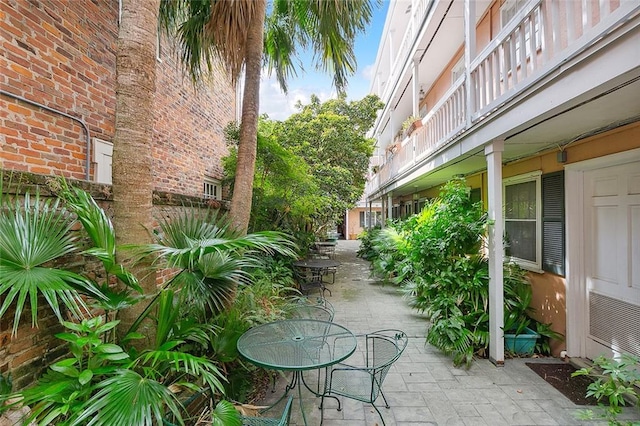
x,y
615,323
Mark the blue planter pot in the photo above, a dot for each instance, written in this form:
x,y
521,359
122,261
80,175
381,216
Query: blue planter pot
x,y
521,344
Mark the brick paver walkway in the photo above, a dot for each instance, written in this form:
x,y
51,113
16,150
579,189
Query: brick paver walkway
x,y
423,387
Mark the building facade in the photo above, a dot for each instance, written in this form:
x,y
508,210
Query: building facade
x,y
57,117
536,103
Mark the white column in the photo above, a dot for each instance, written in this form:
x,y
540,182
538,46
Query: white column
x,y
346,225
415,77
493,153
469,53
390,205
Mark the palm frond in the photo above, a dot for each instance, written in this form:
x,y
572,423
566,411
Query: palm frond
x,y
165,359
127,398
100,230
35,233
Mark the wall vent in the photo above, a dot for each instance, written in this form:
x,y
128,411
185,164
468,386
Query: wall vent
x,y
615,323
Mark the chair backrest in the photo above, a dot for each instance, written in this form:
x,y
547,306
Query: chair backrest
x,y
313,308
269,421
383,348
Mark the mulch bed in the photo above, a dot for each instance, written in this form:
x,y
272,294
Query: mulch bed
x,y
559,376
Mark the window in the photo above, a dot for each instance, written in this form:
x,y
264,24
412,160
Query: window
x,y
212,189
535,221
522,217
458,70
366,218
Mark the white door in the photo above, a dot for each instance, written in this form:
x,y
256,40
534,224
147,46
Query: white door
x,y
612,259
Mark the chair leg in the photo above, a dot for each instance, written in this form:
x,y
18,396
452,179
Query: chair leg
x,y
379,414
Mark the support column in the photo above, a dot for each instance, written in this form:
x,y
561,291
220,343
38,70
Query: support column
x,y
383,211
415,77
390,205
346,225
469,54
493,154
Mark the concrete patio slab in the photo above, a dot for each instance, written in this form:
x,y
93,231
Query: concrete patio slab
x,y
423,387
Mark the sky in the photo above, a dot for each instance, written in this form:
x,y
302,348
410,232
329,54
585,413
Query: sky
x,y
280,106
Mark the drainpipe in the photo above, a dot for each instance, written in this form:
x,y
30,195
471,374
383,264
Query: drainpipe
x,y
55,111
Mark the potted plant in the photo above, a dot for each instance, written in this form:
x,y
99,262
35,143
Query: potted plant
x,y
411,124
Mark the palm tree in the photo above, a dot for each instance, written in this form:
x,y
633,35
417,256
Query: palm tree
x,y
132,161
231,32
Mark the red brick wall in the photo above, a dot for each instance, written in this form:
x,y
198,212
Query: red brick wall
x,y
190,147
62,54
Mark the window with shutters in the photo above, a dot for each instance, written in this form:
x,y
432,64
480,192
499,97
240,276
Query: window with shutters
x,y
534,221
370,219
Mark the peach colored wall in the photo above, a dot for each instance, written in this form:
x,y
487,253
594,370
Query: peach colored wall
x,y
353,220
549,290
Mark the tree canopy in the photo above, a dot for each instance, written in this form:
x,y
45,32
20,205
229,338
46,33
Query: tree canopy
x,y
311,167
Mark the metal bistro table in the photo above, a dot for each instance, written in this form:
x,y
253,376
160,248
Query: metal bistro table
x,y
297,345
318,267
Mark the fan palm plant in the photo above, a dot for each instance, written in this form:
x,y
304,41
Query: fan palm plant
x,y
36,233
211,257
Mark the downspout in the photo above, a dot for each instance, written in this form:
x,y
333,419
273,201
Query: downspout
x,y
64,114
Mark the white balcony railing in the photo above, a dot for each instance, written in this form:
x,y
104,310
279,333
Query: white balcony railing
x,y
542,35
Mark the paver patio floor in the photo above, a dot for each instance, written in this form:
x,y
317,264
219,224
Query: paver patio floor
x,y
423,387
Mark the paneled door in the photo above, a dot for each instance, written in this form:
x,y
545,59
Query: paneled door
x,y
612,259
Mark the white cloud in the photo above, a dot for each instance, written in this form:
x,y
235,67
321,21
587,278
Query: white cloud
x,y
367,72
280,106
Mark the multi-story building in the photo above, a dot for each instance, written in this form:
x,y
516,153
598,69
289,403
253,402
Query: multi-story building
x,y
57,117
537,104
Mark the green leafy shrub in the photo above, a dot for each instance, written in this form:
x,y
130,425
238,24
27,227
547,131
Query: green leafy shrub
x,y
616,380
435,256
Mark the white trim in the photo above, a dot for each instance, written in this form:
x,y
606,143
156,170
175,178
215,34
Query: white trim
x,y
514,180
606,161
577,307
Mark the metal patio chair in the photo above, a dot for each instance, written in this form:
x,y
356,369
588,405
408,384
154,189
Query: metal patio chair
x,y
283,420
317,308
361,379
309,281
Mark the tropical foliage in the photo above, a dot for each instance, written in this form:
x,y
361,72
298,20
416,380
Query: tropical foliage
x,y
311,167
107,379
436,259
616,383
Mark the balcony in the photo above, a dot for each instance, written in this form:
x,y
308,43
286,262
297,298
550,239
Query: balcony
x,y
542,38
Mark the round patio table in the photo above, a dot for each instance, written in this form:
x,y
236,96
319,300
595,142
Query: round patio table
x,y
297,345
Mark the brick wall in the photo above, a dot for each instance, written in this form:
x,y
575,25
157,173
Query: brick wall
x,y
62,54
28,354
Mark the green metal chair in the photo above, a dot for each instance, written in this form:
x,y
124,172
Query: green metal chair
x,y
283,420
362,378
317,308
